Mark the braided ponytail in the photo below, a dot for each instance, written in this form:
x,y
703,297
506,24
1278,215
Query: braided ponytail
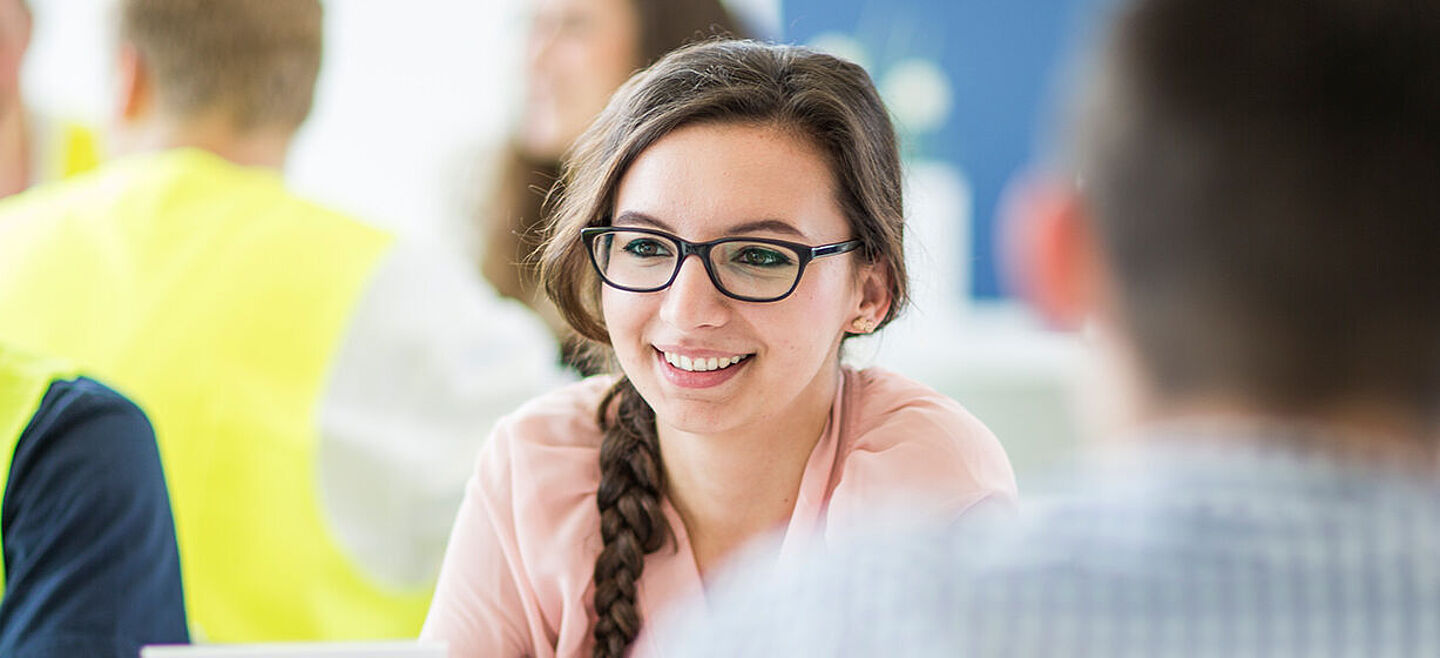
x,y
632,525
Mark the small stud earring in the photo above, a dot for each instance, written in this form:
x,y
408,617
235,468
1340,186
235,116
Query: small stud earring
x,y
863,325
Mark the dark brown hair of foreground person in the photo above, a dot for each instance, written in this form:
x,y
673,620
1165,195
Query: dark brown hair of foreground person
x,y
254,61
512,218
1307,169
827,101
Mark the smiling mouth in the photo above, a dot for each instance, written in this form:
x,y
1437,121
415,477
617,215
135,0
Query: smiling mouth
x,y
701,364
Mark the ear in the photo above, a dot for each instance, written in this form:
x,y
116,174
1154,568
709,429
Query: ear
x,y
1049,248
134,93
874,302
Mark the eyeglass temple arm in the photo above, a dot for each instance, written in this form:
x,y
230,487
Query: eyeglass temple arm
x,y
837,248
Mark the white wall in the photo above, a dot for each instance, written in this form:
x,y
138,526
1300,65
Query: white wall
x,y
66,70
408,93
405,91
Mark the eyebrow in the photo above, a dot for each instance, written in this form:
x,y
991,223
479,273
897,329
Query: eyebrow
x,y
630,218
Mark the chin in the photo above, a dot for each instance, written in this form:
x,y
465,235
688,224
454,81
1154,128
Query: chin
x,y
540,140
696,417
688,411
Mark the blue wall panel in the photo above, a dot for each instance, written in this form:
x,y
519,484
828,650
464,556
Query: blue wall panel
x,y
1001,60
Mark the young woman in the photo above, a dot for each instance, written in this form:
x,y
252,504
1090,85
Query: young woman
x,y
729,220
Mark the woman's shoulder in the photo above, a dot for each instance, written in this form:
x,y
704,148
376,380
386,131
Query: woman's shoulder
x,y
547,450
565,416
901,435
523,549
539,473
884,407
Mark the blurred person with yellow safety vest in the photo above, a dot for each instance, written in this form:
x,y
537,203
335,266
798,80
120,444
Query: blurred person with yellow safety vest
x,y
91,567
317,387
34,147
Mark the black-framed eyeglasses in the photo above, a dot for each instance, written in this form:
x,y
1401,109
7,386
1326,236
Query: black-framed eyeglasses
x,y
747,269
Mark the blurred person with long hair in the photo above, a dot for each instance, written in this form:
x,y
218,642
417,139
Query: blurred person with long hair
x,y
578,52
1248,222
733,216
317,385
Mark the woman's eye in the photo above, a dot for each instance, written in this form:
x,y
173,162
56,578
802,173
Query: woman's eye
x,y
646,248
575,23
762,257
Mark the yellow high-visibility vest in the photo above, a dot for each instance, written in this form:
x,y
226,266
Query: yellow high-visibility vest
x,y
216,300
24,380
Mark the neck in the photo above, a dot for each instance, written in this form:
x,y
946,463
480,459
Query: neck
x,y
1360,431
265,146
14,148
730,488
1357,427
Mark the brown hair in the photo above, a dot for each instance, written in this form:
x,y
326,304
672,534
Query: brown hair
x,y
828,101
1263,176
253,60
513,216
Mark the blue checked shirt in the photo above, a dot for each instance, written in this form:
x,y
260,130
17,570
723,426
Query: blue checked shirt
x,y
1190,547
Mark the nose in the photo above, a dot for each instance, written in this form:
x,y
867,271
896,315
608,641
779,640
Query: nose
x,y
692,301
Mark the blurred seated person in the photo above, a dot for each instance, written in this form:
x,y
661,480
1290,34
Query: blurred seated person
x,y
316,385
1247,221
34,148
578,53
91,567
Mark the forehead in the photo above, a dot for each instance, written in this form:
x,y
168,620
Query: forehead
x,y
709,180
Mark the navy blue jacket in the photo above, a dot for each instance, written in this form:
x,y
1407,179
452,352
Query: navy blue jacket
x,y
91,564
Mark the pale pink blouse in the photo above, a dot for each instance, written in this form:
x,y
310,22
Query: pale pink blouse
x,y
516,580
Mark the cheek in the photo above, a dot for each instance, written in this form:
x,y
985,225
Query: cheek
x,y
625,315
606,68
585,76
568,62
806,325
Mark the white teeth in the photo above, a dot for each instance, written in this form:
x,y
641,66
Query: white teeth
x,y
701,364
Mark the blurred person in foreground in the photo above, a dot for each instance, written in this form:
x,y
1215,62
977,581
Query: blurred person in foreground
x,y
1253,240
578,52
34,147
316,386
91,567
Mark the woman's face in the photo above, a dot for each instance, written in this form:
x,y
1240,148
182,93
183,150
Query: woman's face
x,y
705,182
579,53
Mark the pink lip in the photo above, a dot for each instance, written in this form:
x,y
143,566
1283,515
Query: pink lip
x,y
707,379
